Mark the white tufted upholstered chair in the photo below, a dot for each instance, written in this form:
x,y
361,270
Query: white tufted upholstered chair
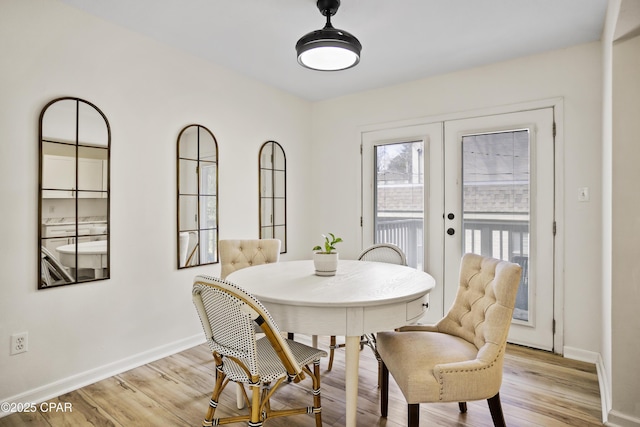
x,y
380,252
238,254
228,315
459,358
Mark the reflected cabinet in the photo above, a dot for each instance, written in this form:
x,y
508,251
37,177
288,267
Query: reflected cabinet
x,y
74,176
273,193
197,197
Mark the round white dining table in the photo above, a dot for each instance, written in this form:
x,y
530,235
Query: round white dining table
x,y
362,297
89,254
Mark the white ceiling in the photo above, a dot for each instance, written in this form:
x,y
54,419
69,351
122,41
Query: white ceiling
x,y
402,40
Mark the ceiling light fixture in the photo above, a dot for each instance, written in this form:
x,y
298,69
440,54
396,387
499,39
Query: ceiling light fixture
x,y
328,49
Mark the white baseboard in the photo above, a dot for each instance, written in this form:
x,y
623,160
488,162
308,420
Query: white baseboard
x,y
603,383
605,392
581,355
54,389
617,419
610,417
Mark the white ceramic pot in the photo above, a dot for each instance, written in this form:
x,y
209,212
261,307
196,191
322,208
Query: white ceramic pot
x,y
325,264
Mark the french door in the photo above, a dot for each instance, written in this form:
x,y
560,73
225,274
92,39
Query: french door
x,y
499,202
482,185
402,198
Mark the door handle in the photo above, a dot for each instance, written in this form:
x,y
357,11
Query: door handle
x,y
451,231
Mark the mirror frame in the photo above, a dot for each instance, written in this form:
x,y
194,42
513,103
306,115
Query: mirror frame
x,y
199,229
267,193
49,266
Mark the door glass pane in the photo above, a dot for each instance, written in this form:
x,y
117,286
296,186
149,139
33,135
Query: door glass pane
x,y
399,198
496,209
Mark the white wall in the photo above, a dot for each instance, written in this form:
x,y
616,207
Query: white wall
x,y
625,277
574,74
149,92
604,371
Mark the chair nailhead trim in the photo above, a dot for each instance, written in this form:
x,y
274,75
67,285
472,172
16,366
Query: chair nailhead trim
x,y
453,371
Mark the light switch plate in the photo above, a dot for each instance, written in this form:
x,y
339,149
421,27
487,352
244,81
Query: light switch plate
x,y
583,194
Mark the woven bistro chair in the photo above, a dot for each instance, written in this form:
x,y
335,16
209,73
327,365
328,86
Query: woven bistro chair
x,y
236,254
380,252
384,252
227,314
460,358
51,271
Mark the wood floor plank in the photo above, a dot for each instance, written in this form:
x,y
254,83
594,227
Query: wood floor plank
x,y
77,409
171,393
539,389
23,419
128,405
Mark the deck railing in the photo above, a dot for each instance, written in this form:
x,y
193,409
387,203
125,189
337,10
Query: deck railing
x,y
498,238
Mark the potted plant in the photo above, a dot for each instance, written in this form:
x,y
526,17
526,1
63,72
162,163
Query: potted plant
x,y
325,257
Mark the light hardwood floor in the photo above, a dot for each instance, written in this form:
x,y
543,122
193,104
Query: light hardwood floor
x,y
538,389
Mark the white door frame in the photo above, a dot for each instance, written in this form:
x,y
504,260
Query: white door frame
x,y
433,233
558,107
537,330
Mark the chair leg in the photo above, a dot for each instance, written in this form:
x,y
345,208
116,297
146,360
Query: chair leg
x,y
213,402
332,347
239,396
384,389
496,411
413,415
317,402
463,407
255,406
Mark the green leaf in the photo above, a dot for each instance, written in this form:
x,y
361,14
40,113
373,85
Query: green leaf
x,y
330,240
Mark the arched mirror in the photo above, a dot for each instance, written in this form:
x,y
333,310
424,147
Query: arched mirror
x,y
74,175
197,197
273,193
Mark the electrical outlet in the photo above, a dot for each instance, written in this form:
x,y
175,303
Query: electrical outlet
x,y
19,343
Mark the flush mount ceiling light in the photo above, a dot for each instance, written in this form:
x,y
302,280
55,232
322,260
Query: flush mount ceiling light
x,y
328,49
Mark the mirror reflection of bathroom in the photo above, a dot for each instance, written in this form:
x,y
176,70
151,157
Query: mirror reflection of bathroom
x,y
197,197
74,193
